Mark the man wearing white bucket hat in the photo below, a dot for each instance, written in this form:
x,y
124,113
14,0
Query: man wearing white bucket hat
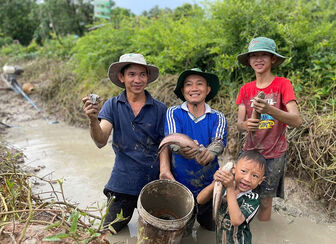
x,y
137,121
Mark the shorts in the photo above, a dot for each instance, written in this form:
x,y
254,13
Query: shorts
x,y
273,185
126,203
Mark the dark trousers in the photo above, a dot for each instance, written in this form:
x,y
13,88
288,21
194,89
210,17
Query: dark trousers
x,y
119,202
203,214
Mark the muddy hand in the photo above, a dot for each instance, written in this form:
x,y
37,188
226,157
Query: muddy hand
x,y
180,141
204,156
94,98
166,175
261,105
225,177
228,180
189,152
252,124
90,109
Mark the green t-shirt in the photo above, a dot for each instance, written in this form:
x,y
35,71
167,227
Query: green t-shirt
x,y
248,203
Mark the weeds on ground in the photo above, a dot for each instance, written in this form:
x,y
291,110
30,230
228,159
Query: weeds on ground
x,y
20,208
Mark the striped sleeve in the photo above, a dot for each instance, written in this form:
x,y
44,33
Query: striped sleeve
x,y
220,128
170,122
250,207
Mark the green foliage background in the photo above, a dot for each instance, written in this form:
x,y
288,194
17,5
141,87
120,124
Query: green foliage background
x,y
210,38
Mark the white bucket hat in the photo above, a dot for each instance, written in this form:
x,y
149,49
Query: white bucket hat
x,y
131,58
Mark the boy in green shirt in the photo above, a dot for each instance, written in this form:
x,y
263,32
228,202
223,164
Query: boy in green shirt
x,y
239,203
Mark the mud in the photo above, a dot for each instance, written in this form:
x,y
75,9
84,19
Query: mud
x,y
64,151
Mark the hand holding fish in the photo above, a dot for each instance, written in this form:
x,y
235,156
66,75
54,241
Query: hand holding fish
x,y
205,156
188,148
252,124
90,106
219,177
184,144
225,177
189,152
261,105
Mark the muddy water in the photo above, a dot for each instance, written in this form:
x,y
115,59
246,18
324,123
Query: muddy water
x,y
68,152
62,151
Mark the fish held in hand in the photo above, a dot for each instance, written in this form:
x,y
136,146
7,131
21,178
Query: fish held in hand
x,y
94,98
180,140
217,192
255,114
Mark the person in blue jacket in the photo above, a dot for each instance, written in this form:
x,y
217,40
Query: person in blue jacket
x,y
137,121
207,127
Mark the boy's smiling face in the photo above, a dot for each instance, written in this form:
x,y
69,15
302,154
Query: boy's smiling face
x,y
248,174
261,62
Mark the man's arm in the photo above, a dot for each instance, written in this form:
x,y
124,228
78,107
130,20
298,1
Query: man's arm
x,y
165,172
216,147
291,117
100,132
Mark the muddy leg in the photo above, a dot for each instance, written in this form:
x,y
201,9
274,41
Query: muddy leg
x,y
265,210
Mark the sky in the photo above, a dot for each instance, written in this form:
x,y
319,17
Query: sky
x,y
138,6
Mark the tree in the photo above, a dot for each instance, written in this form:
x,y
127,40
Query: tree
x,y
18,19
63,17
117,14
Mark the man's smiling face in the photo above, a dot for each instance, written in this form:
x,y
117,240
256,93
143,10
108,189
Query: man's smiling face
x,y
195,89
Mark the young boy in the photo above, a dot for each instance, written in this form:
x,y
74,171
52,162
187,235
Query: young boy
x,y
267,135
239,204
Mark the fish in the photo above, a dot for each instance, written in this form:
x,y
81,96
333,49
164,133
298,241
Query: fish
x,y
180,140
217,192
255,114
94,98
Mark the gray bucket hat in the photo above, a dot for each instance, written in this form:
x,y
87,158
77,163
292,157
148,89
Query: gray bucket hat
x,y
261,44
131,58
211,79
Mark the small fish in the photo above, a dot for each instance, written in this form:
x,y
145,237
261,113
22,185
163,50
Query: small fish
x,y
217,192
94,98
255,114
178,139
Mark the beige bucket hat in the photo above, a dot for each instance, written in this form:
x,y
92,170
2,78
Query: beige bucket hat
x,y
131,58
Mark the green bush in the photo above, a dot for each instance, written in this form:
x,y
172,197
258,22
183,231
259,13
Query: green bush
x,y
210,38
94,52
